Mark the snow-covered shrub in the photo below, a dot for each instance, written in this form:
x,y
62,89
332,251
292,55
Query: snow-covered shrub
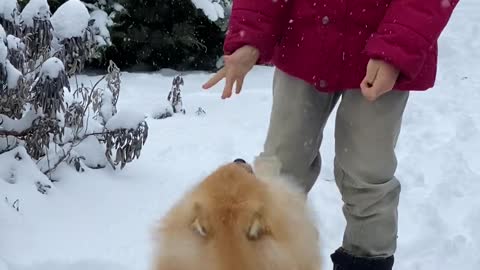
x,y
175,95
42,113
10,16
16,52
12,89
37,30
163,112
73,38
102,13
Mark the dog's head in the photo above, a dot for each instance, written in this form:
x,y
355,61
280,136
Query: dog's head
x,y
230,221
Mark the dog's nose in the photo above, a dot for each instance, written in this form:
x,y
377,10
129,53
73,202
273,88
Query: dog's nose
x,y
240,160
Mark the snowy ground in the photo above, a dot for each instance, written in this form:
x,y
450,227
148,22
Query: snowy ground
x,y
101,220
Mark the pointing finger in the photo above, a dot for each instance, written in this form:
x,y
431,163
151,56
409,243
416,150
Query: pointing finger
x,y
215,79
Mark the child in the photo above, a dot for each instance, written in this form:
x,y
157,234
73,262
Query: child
x,y
369,53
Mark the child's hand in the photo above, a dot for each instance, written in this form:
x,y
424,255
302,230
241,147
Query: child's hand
x,y
237,65
380,78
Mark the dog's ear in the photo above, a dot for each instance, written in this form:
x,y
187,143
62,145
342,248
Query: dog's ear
x,y
199,224
257,227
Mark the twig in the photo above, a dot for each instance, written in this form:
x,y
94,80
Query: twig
x,y
18,134
89,101
60,160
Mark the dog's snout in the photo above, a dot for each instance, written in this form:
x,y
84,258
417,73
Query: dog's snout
x,y
240,160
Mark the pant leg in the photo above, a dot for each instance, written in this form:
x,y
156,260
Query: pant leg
x,y
365,137
298,116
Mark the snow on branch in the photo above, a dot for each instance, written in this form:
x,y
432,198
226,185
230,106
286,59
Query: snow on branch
x,y
211,8
73,36
10,16
70,20
37,30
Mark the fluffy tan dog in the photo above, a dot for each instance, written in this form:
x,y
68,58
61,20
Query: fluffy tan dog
x,y
234,220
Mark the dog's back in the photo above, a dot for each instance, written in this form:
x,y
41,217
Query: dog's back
x,y
234,221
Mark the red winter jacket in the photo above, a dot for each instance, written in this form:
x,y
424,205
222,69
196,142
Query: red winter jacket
x,y
328,42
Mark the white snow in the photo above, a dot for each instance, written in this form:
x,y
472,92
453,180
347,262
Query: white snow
x,y
161,108
102,219
18,169
35,9
3,34
7,123
13,75
52,67
106,109
8,9
219,9
126,118
3,265
70,19
100,25
15,43
212,10
3,52
93,151
118,7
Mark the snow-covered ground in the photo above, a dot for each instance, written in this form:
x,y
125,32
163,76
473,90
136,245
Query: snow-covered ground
x,y
102,219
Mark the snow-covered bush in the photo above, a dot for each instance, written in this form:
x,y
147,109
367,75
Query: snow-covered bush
x,y
163,110
72,36
175,95
10,16
43,113
37,30
102,13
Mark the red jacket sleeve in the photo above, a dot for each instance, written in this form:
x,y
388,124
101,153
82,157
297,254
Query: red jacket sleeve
x,y
258,23
408,31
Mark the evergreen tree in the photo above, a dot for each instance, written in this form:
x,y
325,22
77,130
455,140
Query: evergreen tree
x,y
165,34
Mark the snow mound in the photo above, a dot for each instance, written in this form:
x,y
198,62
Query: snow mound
x,y
19,168
125,119
162,110
212,10
52,68
93,151
35,9
70,20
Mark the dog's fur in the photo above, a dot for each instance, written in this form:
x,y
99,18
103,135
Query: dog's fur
x,y
234,220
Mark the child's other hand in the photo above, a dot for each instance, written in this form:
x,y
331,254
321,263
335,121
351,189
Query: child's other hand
x,y
380,78
237,65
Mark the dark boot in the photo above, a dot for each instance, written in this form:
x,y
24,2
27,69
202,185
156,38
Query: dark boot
x,y
344,261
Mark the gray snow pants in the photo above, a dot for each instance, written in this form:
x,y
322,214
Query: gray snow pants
x,y
365,137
